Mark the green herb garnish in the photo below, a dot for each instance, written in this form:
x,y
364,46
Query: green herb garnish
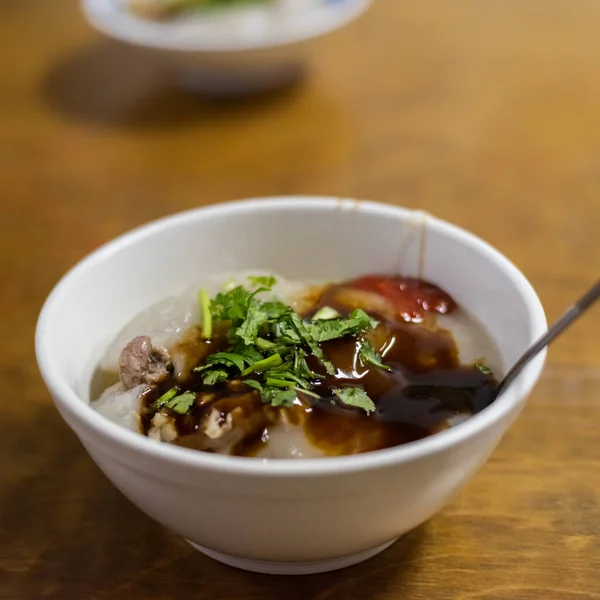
x,y
265,282
263,365
263,344
358,321
165,398
307,336
356,397
256,317
204,302
277,397
231,306
215,376
269,345
226,359
181,403
370,357
485,370
254,384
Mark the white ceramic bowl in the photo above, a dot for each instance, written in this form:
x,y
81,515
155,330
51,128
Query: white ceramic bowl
x,y
205,55
284,516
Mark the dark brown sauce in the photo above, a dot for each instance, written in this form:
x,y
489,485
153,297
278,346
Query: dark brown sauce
x,y
426,387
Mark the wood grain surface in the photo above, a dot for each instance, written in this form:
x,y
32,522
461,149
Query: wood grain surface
x,y
484,113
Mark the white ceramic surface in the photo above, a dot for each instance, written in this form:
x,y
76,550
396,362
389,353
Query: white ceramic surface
x,y
293,568
203,56
252,512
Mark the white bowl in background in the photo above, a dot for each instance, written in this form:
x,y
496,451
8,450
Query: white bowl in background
x,y
284,516
259,50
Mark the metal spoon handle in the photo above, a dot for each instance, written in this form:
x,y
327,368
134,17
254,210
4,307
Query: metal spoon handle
x,y
572,314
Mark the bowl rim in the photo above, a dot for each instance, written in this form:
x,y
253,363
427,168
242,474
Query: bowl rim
x,y
69,403
112,20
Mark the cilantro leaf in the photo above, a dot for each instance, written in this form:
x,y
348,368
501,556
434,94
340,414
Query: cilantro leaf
x,y
215,376
279,397
294,370
276,310
273,395
270,339
279,383
356,397
286,333
263,365
485,370
254,384
285,374
181,404
301,367
204,302
370,357
249,353
256,317
165,398
358,321
329,329
231,306
366,321
228,359
266,282
307,337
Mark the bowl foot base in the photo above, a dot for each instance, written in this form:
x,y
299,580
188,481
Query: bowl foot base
x,y
292,568
232,84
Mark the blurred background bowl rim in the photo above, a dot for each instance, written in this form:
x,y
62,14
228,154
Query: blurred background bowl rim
x,y
111,20
66,399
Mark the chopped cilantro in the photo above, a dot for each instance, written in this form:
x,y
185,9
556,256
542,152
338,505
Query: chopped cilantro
x,y
181,404
308,338
231,306
284,331
286,374
301,367
264,282
276,310
270,342
370,357
249,353
165,398
356,397
214,376
263,365
204,302
485,370
279,397
254,384
228,359
279,383
358,321
274,394
263,344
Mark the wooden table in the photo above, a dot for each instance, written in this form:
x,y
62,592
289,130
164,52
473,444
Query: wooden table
x,y
484,113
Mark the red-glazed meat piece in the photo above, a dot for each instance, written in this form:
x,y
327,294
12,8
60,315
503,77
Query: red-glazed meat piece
x,y
412,297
